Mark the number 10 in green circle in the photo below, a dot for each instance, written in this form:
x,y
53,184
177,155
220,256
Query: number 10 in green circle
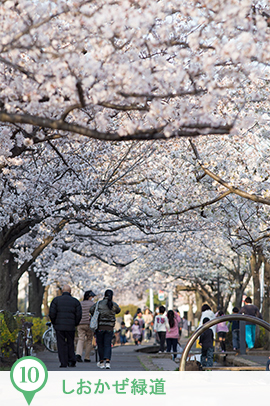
x,y
30,375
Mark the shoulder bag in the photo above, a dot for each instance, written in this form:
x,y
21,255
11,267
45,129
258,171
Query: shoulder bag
x,y
94,319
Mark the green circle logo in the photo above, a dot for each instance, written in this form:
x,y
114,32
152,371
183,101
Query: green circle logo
x,y
29,375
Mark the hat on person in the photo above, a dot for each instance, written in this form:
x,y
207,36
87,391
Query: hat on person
x,y
88,293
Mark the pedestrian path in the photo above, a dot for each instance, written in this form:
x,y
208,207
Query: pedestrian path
x,y
133,358
124,358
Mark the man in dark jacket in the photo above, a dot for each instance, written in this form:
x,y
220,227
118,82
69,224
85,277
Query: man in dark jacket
x,y
65,314
251,310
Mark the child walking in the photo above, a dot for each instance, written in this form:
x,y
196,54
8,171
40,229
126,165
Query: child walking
x,y
173,336
123,333
206,341
222,330
136,332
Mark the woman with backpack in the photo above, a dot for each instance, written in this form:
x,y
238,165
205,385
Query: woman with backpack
x,y
106,321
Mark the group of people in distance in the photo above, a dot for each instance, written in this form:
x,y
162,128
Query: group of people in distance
x,y
67,314
206,339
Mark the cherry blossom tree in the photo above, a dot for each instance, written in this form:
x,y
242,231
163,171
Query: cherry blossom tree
x,y
75,74
121,70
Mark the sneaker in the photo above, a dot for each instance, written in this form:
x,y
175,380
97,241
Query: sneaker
x,y
107,365
87,360
78,358
101,365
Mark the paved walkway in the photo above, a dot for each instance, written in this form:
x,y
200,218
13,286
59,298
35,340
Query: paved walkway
x,y
124,358
132,358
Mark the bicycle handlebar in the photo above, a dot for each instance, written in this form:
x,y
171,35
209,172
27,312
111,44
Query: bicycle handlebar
x,y
18,313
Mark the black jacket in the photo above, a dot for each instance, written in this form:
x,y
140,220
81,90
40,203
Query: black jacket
x,y
206,339
65,312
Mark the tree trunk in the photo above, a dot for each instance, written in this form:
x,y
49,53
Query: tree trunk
x,y
266,296
255,264
36,291
9,277
10,273
199,302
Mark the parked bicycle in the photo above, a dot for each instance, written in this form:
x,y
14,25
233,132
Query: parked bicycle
x,y
25,336
49,338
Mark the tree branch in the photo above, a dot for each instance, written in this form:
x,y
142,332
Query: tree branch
x,y
148,134
232,189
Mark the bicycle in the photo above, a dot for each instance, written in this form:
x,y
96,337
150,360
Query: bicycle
x,y
25,336
49,338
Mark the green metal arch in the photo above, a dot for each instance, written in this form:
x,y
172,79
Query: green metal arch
x,y
213,322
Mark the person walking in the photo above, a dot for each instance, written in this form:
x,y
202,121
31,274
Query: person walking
x,y
172,336
207,312
206,341
128,320
148,320
123,333
107,310
136,332
235,331
221,329
141,324
251,310
161,325
65,313
85,334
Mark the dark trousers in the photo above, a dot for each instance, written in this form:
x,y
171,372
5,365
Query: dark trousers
x,y
172,344
207,357
104,344
65,344
162,337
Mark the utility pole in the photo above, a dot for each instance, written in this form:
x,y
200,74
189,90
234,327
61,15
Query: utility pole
x,y
151,297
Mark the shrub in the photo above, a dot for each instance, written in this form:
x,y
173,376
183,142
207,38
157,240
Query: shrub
x,y
132,309
10,326
7,336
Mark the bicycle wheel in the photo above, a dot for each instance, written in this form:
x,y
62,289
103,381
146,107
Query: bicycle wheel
x,y
20,345
49,340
